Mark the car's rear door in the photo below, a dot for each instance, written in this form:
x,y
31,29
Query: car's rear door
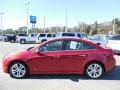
x,y
73,56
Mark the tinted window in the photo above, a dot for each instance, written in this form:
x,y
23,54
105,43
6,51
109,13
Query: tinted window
x,y
32,35
42,35
53,35
4,35
79,35
115,37
76,45
52,46
86,46
68,34
22,34
49,35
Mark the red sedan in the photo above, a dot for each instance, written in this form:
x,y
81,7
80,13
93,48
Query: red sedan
x,y
61,56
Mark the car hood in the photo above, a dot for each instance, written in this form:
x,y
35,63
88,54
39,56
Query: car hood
x,y
22,54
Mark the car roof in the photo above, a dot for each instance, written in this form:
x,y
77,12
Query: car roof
x,y
73,32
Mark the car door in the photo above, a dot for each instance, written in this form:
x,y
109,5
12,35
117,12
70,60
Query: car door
x,y
47,58
73,56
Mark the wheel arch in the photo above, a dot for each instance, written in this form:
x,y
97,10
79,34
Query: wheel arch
x,y
94,61
17,61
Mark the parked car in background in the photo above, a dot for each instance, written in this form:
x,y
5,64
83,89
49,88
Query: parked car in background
x,y
61,56
100,39
114,43
4,37
24,38
41,37
71,34
11,38
0,37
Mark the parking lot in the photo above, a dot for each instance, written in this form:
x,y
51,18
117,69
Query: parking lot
x,y
109,81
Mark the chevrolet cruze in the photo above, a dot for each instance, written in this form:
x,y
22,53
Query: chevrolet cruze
x,y
61,56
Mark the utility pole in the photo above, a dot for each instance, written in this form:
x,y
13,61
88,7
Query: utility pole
x,y
27,5
113,32
44,22
1,14
66,16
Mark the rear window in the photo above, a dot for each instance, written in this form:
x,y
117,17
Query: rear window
x,y
42,35
68,34
115,37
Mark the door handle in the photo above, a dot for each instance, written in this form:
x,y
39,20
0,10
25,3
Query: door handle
x,y
58,56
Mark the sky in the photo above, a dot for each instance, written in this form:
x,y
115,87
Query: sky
x,y
88,11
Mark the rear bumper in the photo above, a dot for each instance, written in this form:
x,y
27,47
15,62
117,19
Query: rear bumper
x,y
110,64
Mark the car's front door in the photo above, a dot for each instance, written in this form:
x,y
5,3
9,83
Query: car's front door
x,y
47,58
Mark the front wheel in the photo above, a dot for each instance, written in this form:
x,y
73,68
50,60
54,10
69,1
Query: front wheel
x,y
22,41
94,70
18,70
12,41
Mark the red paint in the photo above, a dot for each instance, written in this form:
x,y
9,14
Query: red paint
x,y
61,62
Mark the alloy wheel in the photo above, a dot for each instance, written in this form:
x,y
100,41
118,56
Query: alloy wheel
x,y
94,70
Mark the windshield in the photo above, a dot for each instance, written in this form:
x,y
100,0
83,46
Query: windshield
x,y
115,37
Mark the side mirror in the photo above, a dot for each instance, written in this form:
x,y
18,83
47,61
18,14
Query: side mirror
x,y
29,48
42,49
98,43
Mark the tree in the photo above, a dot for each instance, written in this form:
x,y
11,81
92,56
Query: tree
x,y
22,29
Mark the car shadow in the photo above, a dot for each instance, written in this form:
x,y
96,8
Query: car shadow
x,y
113,75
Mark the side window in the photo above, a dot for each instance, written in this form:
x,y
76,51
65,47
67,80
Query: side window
x,y
32,35
52,46
68,34
49,35
78,35
72,45
76,45
53,35
42,35
86,46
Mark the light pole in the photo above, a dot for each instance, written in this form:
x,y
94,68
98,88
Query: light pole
x,y
27,4
66,11
1,14
44,22
113,27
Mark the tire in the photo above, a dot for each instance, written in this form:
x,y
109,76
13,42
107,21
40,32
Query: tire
x,y
12,41
18,70
94,70
22,41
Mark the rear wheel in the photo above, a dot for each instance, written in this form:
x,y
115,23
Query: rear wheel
x,y
18,70
94,70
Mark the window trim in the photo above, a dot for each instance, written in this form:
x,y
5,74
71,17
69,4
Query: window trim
x,y
64,44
